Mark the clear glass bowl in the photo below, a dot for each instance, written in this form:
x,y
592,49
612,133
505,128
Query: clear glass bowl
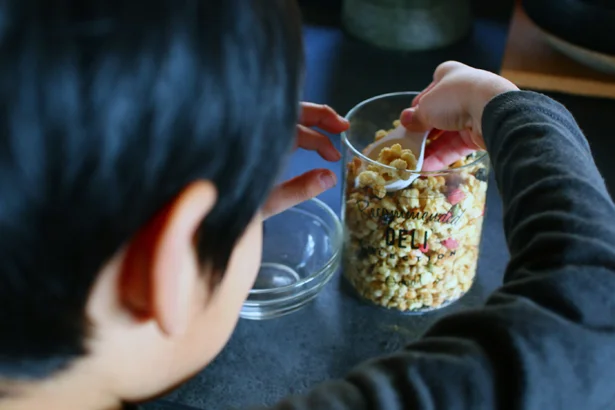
x,y
301,252
416,249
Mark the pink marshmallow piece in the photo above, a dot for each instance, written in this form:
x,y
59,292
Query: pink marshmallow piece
x,y
456,196
450,243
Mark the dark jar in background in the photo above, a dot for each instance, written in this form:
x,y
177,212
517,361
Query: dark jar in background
x,y
408,25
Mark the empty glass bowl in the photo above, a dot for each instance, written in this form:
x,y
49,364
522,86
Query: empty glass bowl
x,y
301,252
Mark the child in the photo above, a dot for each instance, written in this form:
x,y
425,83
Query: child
x,y
139,147
139,143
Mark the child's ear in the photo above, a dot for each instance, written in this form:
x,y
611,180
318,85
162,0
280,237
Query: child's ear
x,y
161,267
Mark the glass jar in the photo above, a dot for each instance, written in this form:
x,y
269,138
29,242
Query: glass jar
x,y
415,249
408,25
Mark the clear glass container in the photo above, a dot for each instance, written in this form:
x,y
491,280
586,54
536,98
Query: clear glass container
x,y
416,249
301,253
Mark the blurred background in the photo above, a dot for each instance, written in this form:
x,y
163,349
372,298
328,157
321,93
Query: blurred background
x,y
347,66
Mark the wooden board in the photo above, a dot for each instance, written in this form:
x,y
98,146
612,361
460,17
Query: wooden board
x,y
531,63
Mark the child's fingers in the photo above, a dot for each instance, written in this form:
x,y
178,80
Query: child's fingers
x,y
323,117
314,141
413,120
417,99
445,150
445,68
297,190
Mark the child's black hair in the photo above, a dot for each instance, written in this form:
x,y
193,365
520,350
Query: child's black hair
x,y
108,108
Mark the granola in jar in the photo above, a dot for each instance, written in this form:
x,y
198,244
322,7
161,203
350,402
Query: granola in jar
x,y
414,249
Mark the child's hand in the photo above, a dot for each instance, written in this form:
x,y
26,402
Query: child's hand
x,y
454,102
314,182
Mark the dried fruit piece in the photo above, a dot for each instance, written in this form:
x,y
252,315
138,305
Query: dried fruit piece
x,y
456,196
387,218
450,243
454,180
446,217
481,175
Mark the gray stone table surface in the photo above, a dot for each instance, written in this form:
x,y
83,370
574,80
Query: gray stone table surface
x,y
267,360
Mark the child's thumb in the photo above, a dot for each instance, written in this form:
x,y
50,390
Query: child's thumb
x,y
414,120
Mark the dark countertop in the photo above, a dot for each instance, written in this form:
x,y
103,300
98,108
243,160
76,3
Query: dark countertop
x,y
267,360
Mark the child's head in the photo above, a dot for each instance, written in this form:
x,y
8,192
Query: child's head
x,y
138,141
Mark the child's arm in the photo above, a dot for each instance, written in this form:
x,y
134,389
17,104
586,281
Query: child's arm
x,y
546,339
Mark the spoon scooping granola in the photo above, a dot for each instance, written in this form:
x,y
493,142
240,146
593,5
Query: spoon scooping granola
x,y
398,163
